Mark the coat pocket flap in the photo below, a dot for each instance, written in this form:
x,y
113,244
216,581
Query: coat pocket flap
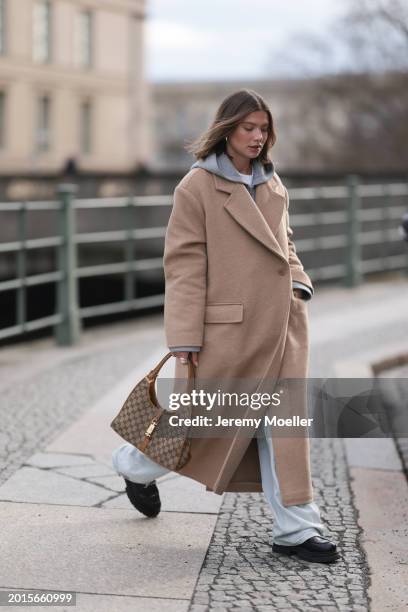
x,y
224,313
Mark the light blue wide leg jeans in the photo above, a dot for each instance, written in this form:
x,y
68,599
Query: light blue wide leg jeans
x,y
292,525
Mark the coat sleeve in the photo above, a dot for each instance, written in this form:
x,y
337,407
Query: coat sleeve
x,y
296,267
185,271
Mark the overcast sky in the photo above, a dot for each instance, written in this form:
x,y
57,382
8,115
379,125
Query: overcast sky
x,y
228,39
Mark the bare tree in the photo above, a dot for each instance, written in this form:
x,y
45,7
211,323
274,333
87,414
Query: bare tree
x,y
361,95
376,34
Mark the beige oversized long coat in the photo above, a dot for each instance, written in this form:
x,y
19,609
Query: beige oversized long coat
x,y
229,265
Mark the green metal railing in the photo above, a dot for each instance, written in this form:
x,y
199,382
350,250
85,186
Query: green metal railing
x,y
350,268
67,319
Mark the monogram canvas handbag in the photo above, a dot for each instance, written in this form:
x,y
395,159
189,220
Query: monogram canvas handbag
x,y
145,424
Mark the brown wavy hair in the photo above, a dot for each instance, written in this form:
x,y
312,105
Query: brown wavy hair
x,y
230,113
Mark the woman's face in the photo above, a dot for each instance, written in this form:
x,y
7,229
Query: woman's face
x,y
250,135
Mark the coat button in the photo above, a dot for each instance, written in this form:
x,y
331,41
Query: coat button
x,y
282,271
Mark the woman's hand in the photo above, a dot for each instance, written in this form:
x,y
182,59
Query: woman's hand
x,y
183,356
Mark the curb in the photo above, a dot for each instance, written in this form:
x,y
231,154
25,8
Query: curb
x,y
377,476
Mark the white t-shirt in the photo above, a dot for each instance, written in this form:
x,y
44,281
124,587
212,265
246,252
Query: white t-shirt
x,y
247,178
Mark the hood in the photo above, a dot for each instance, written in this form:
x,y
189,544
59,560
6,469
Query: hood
x,y
221,165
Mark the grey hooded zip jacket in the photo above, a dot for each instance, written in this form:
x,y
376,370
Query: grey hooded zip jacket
x,y
221,165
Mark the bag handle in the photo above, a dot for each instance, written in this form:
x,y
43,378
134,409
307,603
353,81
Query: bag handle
x,y
151,379
152,375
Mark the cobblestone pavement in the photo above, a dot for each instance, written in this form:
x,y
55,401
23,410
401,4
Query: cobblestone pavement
x,y
241,572
35,412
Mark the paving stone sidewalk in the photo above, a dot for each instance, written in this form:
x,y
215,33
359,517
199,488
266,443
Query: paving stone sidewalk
x,y
70,527
239,570
36,406
396,403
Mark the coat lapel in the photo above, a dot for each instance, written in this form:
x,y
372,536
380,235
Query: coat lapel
x,y
262,219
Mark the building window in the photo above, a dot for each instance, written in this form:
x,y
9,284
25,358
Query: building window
x,y
86,127
42,31
2,119
84,42
2,26
43,124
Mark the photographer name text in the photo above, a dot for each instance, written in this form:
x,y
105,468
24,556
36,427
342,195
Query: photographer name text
x,y
206,421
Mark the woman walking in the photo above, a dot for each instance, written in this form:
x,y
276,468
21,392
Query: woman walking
x,y
236,304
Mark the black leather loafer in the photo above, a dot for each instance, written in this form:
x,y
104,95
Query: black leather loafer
x,y
144,498
315,549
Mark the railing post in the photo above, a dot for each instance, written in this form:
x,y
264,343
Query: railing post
x,y
67,332
22,267
129,253
353,254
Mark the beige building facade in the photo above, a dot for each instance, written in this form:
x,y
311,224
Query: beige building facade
x,y
72,85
